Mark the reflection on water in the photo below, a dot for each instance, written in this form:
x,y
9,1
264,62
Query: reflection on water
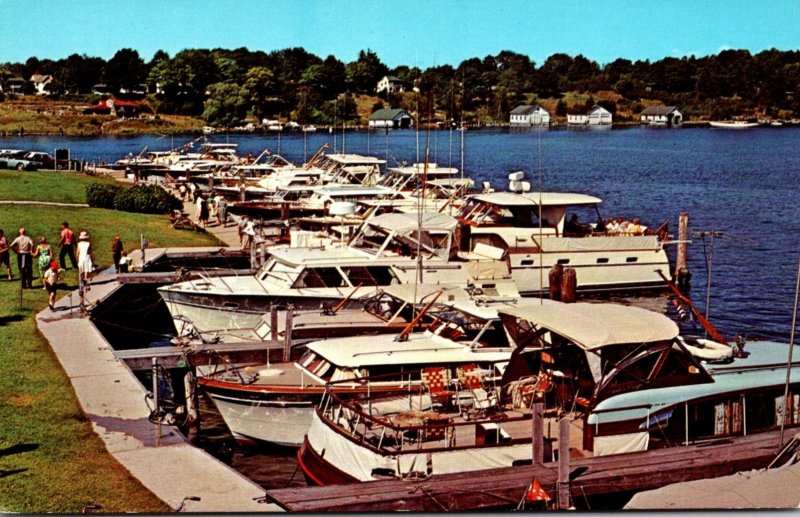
x,y
270,467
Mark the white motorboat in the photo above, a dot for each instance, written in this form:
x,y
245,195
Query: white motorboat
x,y
384,252
532,232
621,376
274,403
732,124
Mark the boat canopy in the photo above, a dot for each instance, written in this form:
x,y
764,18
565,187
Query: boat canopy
x,y
404,222
383,350
534,198
419,168
592,326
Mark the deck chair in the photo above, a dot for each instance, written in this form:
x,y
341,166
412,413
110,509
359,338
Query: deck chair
x,y
436,381
437,429
472,379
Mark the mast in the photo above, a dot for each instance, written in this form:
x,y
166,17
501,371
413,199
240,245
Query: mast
x,y
789,360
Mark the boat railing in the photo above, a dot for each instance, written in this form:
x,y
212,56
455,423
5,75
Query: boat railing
x,y
378,423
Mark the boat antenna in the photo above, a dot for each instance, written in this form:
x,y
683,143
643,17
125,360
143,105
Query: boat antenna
x,y
541,230
789,360
463,128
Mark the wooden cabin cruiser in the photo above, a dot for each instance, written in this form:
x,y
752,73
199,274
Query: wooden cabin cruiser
x,y
274,403
621,376
533,232
382,253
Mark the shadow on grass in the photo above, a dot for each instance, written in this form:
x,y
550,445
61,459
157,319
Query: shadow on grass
x,y
5,320
6,473
18,448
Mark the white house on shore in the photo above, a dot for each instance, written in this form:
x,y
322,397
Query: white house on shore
x,y
526,115
390,84
391,118
40,83
597,116
662,116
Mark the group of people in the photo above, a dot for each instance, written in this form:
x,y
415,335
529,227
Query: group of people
x,y
621,226
214,207
42,255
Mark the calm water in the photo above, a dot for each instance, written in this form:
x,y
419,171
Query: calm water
x,y
744,183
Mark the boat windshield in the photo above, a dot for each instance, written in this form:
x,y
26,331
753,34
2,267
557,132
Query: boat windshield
x,y
276,272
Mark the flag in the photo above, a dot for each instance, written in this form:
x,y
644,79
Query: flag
x,y
535,492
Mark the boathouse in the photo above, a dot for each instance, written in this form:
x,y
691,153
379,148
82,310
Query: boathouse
x,y
597,116
391,118
526,115
390,84
662,116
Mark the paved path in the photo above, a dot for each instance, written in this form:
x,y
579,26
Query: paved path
x,y
114,402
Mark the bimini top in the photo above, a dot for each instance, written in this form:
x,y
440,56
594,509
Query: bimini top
x,y
594,325
355,159
534,198
403,222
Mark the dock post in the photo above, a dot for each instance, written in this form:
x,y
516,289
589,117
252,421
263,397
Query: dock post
x,y
273,322
555,277
155,400
563,464
537,422
287,338
569,284
682,274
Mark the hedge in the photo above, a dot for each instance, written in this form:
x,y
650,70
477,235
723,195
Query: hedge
x,y
144,199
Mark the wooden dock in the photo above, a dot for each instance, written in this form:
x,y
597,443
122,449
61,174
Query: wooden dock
x,y
595,481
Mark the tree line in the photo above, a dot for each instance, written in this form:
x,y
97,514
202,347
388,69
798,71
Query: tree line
x,y
225,86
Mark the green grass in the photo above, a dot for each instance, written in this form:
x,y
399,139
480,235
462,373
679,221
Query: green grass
x,y
61,187
50,458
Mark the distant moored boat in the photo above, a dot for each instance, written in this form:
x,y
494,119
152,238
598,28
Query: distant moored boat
x,y
733,124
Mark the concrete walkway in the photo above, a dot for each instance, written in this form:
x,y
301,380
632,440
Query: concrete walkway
x,y
114,402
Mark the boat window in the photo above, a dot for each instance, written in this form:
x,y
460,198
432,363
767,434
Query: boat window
x,y
562,261
493,335
526,263
370,276
320,277
602,260
632,259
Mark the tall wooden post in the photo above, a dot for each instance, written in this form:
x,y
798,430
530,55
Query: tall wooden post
x,y
563,464
273,322
569,284
682,276
537,422
555,277
287,338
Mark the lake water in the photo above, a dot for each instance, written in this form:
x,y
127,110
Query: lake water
x,y
745,184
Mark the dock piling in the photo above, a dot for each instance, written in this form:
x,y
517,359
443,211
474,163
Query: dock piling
x,y
563,464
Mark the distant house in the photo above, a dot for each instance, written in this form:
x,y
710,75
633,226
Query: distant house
x,y
597,116
117,107
662,116
16,85
390,84
526,115
40,83
101,89
394,118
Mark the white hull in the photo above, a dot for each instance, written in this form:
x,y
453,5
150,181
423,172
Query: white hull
x,y
274,422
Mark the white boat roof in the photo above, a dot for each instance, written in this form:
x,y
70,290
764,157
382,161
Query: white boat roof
x,y
534,198
420,348
594,325
452,182
355,159
405,222
337,189
328,255
419,168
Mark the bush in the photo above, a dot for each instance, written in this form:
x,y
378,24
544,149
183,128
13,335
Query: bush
x,y
143,199
102,196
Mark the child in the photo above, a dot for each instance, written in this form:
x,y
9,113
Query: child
x,y
50,279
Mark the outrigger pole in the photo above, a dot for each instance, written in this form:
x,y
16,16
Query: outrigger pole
x,y
712,331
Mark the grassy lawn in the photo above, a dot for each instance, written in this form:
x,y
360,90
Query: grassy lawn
x,y
50,459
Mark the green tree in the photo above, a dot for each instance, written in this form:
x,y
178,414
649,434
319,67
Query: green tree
x,y
260,87
363,74
125,70
226,105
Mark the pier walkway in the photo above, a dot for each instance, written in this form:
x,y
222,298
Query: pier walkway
x,y
114,402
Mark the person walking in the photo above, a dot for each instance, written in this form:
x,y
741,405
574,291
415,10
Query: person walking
x,y
23,247
222,211
67,244
117,249
202,211
85,263
4,253
50,279
43,255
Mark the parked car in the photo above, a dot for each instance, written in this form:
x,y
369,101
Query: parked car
x,y
15,159
46,161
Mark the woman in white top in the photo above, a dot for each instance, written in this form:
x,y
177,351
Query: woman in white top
x,y
85,265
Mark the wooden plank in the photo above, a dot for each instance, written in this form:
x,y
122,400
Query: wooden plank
x,y
497,488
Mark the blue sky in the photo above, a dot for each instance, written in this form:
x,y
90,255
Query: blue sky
x,y
411,32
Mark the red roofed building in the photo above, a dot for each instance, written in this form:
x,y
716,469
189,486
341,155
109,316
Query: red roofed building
x,y
119,107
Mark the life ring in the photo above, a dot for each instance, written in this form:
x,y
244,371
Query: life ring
x,y
707,350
